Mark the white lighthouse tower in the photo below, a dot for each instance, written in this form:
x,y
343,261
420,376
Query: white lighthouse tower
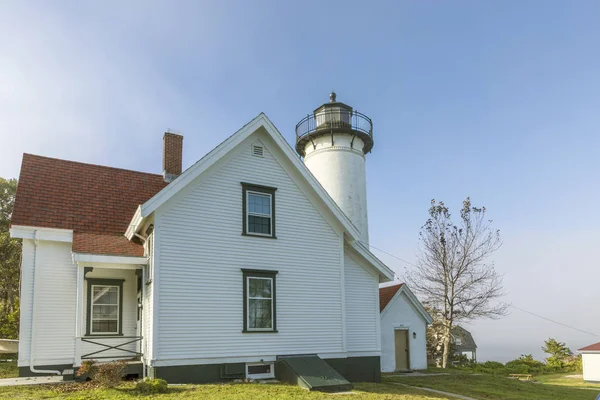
x,y
333,141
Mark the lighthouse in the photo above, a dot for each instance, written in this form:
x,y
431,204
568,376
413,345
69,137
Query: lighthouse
x,y
334,140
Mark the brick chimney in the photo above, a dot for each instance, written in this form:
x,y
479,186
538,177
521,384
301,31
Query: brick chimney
x,y
172,156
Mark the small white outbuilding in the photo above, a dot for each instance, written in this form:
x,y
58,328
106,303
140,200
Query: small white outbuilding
x,y
403,327
591,362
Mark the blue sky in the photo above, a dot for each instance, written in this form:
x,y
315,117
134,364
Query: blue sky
x,y
494,100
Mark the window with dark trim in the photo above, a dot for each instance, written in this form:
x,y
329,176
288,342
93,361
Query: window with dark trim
x,y
258,208
260,305
104,307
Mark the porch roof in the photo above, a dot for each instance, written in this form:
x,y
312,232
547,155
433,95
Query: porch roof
x,y
114,245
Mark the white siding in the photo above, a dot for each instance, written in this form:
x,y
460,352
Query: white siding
x,y
362,305
55,303
401,314
591,367
25,302
201,252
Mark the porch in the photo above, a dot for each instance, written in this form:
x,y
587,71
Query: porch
x,y
110,312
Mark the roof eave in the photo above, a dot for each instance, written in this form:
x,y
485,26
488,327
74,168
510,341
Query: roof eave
x,y
136,221
385,274
108,259
227,145
41,233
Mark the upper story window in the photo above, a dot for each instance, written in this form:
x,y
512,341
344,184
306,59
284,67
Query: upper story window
x,y
259,210
105,305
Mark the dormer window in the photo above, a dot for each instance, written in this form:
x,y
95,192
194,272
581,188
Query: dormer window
x,y
258,210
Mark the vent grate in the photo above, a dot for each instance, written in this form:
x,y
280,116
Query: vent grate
x,y
257,151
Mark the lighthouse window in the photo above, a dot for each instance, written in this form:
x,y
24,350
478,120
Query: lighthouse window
x,y
259,210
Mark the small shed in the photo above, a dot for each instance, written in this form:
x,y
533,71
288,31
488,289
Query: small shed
x,y
590,357
403,327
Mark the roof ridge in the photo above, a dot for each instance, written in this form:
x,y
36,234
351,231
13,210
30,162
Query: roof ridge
x,y
90,164
392,286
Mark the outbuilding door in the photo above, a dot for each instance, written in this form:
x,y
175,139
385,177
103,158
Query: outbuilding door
x,y
401,346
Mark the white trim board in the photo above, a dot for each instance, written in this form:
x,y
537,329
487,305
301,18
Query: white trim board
x,y
80,258
253,359
51,234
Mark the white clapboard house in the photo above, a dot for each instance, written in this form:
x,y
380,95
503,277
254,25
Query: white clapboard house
x,y
253,255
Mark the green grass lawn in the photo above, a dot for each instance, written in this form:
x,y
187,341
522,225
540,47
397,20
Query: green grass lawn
x,y
561,380
362,391
490,387
483,387
8,369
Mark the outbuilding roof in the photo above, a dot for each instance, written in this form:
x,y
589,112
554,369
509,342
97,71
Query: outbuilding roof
x,y
94,201
467,341
386,294
389,293
591,347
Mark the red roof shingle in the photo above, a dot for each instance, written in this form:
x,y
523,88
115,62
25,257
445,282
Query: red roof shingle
x,y
591,347
386,294
86,198
106,245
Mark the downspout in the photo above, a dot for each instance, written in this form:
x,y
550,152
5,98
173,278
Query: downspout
x,y
143,342
33,316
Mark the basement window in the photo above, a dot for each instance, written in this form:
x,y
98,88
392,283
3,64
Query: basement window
x,y
260,311
260,371
258,207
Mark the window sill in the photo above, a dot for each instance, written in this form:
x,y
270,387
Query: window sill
x,y
106,335
247,331
259,236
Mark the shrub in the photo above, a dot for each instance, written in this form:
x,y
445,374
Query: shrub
x,y
492,365
525,365
152,386
573,364
107,375
461,361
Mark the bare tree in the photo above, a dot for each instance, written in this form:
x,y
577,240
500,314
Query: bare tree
x,y
453,276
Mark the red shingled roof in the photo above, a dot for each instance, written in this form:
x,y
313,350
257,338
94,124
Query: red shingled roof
x,y
105,244
592,347
386,294
93,200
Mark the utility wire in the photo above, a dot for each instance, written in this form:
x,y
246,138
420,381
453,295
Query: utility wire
x,y
547,319
389,254
499,301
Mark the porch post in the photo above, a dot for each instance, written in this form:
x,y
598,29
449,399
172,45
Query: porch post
x,y
143,321
79,317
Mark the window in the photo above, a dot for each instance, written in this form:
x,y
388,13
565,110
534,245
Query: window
x,y
260,371
150,255
259,301
104,307
458,341
258,205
